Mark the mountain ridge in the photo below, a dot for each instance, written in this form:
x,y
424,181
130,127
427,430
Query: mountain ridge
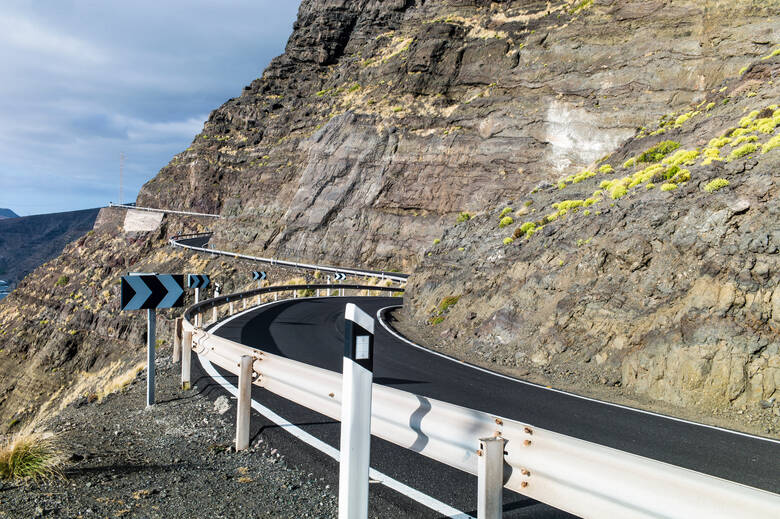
x,y
7,213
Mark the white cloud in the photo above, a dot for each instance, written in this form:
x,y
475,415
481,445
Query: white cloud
x,y
35,40
138,129
84,81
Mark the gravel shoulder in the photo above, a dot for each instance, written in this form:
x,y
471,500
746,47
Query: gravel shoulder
x,y
172,460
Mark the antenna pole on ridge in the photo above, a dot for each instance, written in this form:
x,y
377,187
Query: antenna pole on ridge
x,y
121,171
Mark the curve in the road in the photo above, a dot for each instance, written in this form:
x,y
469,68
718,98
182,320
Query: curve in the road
x,y
311,331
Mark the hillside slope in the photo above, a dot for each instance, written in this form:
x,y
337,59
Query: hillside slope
x,y
384,120
29,241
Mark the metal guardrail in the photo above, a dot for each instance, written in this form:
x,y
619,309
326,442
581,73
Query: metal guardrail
x,y
154,210
209,304
394,276
580,477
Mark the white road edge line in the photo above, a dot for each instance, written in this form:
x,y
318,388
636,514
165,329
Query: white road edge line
x,y
392,332
424,499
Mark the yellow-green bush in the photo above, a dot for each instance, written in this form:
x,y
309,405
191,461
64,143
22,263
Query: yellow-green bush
x,y
745,149
771,144
714,185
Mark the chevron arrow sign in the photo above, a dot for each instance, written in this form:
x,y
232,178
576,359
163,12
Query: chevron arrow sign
x,y
148,291
259,276
340,277
198,281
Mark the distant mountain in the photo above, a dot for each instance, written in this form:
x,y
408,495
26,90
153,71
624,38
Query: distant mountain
x,y
27,242
7,213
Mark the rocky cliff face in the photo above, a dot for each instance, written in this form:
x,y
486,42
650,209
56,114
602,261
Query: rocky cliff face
x,y
383,121
653,270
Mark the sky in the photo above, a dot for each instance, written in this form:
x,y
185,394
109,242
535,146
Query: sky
x,y
83,81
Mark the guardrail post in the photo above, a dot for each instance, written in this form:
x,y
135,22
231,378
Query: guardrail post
x,y
186,360
243,304
355,446
197,295
244,403
490,478
215,314
177,340
231,308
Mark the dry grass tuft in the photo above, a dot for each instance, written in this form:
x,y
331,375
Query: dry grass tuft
x,y
30,455
120,381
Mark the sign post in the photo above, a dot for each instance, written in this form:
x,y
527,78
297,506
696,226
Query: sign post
x,y
151,344
149,292
355,447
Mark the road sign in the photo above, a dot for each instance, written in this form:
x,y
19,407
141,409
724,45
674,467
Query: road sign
x,y
259,276
149,291
198,281
339,276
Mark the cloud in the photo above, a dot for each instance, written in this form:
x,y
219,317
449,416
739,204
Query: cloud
x,y
87,81
22,35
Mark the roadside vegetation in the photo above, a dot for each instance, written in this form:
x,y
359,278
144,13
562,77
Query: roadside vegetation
x,y
30,455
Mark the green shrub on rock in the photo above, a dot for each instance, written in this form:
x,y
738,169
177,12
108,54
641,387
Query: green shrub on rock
x,y
745,149
463,217
658,152
716,184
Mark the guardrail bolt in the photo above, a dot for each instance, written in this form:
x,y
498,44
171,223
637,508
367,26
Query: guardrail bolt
x,y
525,472
479,452
499,421
527,443
524,484
527,430
331,395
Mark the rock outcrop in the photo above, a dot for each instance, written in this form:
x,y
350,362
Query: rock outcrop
x,y
385,120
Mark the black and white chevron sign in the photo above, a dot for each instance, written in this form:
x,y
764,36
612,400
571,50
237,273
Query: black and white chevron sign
x,y
148,291
339,276
259,276
198,281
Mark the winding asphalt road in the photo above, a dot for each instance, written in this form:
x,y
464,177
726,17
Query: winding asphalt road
x,y
311,331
